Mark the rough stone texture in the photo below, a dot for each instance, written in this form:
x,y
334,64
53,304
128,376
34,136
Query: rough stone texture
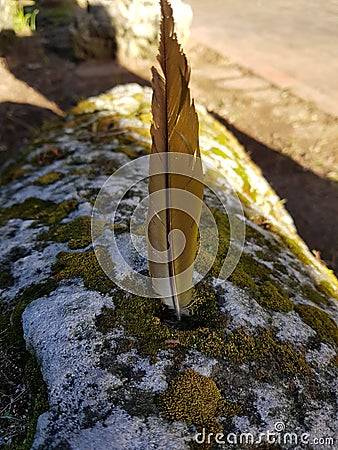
x,y
126,28
6,8
105,379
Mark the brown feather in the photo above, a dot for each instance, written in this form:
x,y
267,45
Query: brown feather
x,y
174,130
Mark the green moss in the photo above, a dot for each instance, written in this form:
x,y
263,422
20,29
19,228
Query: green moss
x,y
248,269
85,265
319,321
39,400
203,331
326,288
141,318
195,399
49,178
313,295
13,345
6,279
11,173
273,297
241,347
79,172
279,268
77,233
296,249
250,273
43,211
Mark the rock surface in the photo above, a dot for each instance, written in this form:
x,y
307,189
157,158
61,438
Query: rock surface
x,y
259,350
6,8
127,29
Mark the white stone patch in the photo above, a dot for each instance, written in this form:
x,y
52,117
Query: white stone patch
x,y
319,423
242,309
34,268
199,363
292,328
242,425
271,403
154,378
121,431
322,357
61,330
16,233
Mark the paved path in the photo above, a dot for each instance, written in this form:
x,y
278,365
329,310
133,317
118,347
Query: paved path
x,y
293,44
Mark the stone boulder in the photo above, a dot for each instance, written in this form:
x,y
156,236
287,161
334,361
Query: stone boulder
x,y
253,366
7,8
126,29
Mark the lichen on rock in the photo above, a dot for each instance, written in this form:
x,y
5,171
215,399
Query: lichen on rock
x,y
258,348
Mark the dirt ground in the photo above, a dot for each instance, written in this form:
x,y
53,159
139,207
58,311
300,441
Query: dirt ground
x,y
292,141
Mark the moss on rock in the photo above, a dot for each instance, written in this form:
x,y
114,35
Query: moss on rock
x,y
77,233
241,347
85,265
42,211
27,369
12,172
309,293
6,279
203,331
195,399
326,288
49,178
319,321
273,297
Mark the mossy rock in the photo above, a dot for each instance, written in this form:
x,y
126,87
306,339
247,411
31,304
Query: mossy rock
x,y
256,348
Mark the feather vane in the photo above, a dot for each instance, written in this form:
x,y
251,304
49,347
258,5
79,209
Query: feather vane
x,y
172,217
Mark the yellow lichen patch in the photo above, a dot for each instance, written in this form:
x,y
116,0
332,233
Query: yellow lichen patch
x,y
84,107
319,321
44,211
195,399
85,265
49,178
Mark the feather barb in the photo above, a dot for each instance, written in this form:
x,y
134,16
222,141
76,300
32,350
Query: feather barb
x,y
175,173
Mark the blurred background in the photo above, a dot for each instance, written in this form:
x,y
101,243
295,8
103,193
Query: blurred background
x,y
267,69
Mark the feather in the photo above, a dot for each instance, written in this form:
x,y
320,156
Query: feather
x,y
171,231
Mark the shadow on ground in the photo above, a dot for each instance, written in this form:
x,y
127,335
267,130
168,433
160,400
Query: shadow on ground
x,y
311,200
45,62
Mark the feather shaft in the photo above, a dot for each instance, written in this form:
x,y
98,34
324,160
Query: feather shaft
x,y
172,230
